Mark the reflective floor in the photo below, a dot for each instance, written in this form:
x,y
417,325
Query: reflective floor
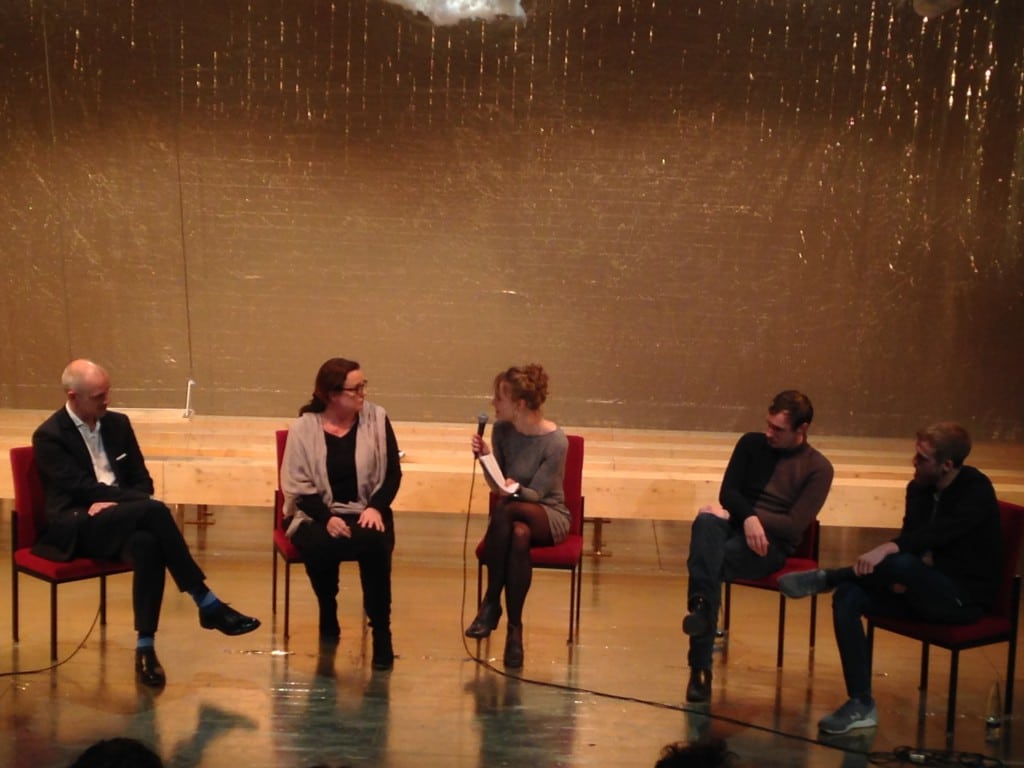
x,y
612,700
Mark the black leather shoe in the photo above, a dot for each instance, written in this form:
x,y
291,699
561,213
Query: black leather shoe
x,y
698,690
383,653
514,647
698,623
147,668
486,620
226,619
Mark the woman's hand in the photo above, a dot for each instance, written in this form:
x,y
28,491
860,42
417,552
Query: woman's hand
x,y
371,518
338,528
480,447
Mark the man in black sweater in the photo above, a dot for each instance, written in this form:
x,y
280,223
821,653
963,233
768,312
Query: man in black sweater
x,y
773,488
943,566
99,504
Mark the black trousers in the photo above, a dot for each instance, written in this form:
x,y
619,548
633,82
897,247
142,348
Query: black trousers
x,y
322,555
718,551
144,534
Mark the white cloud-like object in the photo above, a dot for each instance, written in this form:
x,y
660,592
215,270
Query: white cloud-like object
x,y
442,12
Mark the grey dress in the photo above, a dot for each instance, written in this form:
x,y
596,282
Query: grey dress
x,y
537,463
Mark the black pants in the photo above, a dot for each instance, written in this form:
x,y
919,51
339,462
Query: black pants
x,y
719,551
144,534
322,555
930,596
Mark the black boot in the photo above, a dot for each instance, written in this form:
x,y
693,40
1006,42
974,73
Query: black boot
x,y
330,631
514,647
383,653
698,690
485,621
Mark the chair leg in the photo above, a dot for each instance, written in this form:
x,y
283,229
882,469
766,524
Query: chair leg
x,y
1011,661
1011,667
103,601
579,594
273,587
726,610
572,605
287,595
814,620
53,622
925,648
782,630
14,601
954,668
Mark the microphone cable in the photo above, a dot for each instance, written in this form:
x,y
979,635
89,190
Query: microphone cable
x,y
62,662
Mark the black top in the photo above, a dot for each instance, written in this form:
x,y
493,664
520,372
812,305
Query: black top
x,y
965,535
784,489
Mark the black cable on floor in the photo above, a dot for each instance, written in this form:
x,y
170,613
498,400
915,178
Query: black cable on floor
x,y
88,634
932,757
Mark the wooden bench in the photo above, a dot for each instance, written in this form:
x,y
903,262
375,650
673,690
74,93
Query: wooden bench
x,y
628,473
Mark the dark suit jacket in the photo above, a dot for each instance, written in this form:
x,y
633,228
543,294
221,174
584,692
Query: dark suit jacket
x,y
69,481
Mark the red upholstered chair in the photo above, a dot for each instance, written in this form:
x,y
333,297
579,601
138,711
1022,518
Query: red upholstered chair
x,y
805,558
568,555
283,546
999,626
27,524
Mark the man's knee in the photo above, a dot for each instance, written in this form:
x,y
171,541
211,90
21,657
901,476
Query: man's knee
x,y
707,527
899,567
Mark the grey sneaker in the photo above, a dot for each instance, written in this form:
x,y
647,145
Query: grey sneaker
x,y
853,714
803,583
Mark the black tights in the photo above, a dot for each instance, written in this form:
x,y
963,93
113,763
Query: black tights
x,y
514,527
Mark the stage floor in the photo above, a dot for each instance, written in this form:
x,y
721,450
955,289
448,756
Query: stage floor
x,y
612,700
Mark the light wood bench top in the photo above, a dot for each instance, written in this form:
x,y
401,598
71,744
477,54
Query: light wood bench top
x,y
631,474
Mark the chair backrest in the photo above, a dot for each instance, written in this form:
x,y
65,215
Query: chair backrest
x,y
29,499
572,486
809,545
282,440
1011,518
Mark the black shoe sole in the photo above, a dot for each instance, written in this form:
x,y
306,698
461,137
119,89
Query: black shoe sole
x,y
243,629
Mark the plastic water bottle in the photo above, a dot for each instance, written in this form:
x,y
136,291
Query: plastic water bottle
x,y
994,717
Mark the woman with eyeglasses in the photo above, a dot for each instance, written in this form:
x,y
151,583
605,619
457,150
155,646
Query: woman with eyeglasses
x,y
339,476
530,450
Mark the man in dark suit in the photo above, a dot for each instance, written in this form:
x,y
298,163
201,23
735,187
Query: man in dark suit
x,y
99,504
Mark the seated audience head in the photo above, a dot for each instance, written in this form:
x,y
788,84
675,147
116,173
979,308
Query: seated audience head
x,y
789,415
528,383
118,753
332,382
712,753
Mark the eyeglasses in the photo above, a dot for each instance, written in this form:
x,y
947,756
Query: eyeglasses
x,y
359,389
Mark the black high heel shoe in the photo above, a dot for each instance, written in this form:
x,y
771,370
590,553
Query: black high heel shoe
x,y
486,620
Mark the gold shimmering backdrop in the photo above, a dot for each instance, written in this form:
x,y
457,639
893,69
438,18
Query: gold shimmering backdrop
x,y
678,207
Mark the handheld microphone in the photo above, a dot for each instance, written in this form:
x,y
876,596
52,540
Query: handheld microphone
x,y
481,422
